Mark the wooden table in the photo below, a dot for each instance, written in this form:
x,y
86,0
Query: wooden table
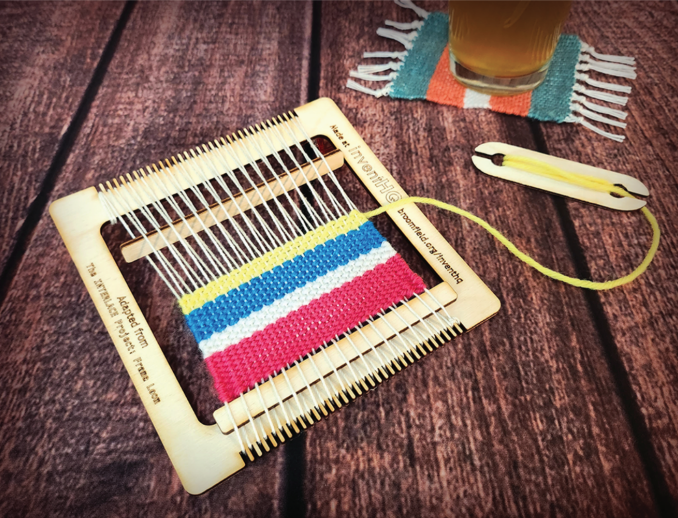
x,y
566,403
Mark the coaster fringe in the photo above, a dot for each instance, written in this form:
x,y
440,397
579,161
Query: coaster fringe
x,y
596,117
372,77
602,84
405,38
601,96
405,26
612,69
369,72
383,67
581,120
405,80
385,54
598,108
408,4
369,91
582,109
607,57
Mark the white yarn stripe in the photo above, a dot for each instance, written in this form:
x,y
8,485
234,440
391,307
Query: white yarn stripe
x,y
473,99
267,315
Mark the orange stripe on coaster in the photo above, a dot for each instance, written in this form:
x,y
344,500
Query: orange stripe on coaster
x,y
443,87
514,105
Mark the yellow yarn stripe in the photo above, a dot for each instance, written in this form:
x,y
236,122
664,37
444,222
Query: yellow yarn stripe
x,y
270,260
538,167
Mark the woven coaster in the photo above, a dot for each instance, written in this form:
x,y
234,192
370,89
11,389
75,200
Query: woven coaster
x,y
422,71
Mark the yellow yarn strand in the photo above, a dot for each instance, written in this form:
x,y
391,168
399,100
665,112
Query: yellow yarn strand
x,y
541,168
270,260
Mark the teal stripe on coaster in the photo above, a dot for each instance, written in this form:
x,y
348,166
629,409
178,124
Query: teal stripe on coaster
x,y
422,59
551,100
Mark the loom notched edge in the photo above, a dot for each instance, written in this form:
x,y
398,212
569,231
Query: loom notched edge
x,y
203,455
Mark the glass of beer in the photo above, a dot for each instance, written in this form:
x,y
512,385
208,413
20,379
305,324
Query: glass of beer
x,y
504,47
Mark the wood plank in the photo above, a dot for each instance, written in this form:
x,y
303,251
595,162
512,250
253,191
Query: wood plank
x,y
520,416
641,316
76,439
49,52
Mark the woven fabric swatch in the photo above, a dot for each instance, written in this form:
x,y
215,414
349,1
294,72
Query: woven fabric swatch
x,y
422,72
262,317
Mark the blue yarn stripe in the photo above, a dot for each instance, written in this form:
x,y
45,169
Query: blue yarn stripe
x,y
273,285
551,99
422,59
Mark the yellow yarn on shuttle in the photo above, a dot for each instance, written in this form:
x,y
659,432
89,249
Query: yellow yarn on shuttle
x,y
538,167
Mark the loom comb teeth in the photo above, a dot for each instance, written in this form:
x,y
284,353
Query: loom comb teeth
x,y
201,214
307,416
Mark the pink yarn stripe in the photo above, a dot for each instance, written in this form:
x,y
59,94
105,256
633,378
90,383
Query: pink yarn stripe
x,y
241,365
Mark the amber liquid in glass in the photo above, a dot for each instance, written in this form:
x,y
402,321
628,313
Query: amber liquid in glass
x,y
505,40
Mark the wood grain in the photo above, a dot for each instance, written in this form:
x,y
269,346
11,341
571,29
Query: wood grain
x,y
76,440
49,52
641,316
521,416
526,415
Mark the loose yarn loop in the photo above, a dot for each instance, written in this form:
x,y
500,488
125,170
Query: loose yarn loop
x,y
538,167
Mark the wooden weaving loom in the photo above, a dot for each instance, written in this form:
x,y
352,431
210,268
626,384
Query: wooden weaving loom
x,y
239,231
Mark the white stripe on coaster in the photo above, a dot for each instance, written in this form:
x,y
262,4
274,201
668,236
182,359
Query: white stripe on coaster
x,y
258,320
473,99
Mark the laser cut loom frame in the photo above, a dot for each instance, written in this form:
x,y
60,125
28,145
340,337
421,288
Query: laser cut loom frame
x,y
205,455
